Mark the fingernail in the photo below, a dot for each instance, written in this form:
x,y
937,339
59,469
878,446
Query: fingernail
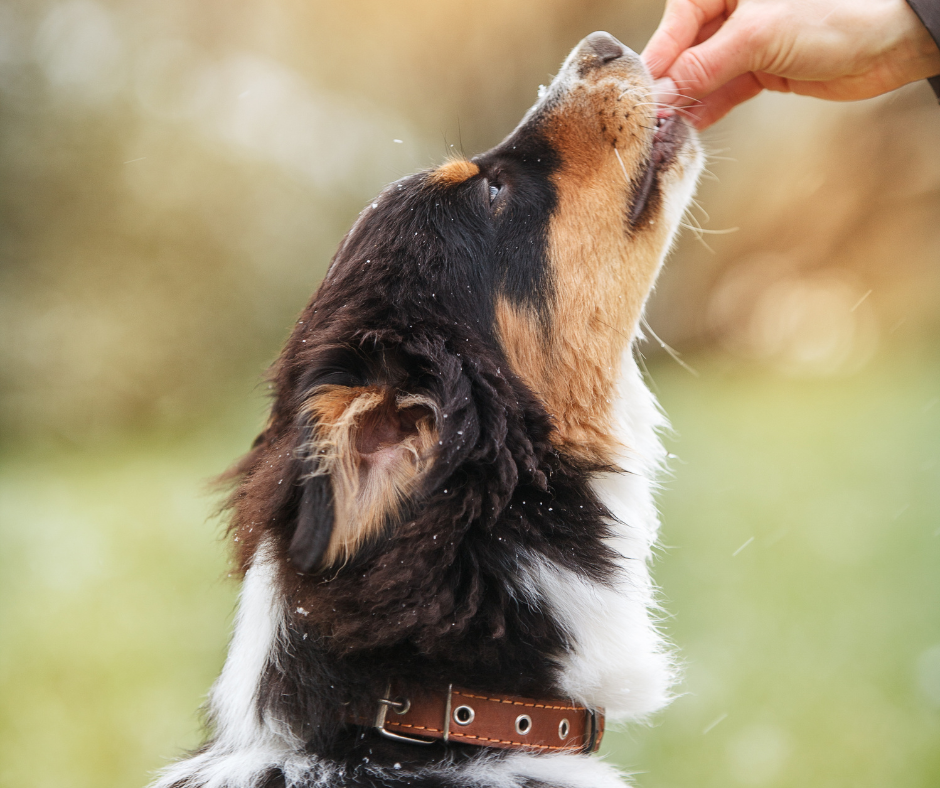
x,y
664,91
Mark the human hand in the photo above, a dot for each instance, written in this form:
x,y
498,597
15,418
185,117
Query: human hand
x,y
711,55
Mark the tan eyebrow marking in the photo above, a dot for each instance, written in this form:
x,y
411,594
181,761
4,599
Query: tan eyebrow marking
x,y
454,172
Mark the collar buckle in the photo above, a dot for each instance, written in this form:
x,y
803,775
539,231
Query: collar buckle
x,y
399,707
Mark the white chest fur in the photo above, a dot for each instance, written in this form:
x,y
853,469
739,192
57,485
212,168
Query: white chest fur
x,y
618,660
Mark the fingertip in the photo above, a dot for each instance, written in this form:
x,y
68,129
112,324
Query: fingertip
x,y
664,91
708,67
676,32
655,56
695,75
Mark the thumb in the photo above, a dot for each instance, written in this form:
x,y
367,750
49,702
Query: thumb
x,y
682,22
703,69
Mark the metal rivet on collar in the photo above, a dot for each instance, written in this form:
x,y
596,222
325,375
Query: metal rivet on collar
x,y
563,729
523,724
463,715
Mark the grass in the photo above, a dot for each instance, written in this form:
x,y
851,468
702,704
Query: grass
x,y
801,569
114,608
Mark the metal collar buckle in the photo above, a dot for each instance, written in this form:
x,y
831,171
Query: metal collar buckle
x,y
400,707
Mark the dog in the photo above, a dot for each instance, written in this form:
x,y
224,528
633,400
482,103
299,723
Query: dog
x,y
445,525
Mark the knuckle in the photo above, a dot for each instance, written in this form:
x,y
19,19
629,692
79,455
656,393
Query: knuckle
x,y
760,31
755,33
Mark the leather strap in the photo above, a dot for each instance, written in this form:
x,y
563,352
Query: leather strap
x,y
487,720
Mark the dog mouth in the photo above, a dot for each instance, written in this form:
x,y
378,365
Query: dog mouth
x,y
668,138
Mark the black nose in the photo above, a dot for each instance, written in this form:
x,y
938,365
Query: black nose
x,y
605,46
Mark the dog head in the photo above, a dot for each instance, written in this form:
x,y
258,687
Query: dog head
x,y
446,394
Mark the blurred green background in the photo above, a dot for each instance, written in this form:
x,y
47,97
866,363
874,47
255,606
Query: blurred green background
x,y
173,179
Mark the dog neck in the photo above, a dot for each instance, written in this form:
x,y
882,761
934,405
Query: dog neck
x,y
613,656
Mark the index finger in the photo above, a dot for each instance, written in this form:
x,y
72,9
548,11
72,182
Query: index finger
x,y
682,20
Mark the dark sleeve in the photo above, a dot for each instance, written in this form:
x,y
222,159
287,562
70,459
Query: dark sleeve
x,y
929,13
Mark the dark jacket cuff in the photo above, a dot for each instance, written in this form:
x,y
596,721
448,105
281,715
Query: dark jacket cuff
x,y
929,13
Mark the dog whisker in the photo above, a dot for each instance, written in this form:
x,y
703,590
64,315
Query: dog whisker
x,y
673,354
698,229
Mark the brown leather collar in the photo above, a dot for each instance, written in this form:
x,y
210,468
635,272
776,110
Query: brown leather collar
x,y
487,720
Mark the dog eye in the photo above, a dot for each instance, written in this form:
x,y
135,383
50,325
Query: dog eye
x,y
493,190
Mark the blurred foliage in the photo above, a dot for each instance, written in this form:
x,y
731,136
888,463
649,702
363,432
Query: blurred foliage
x,y
800,576
838,246
174,177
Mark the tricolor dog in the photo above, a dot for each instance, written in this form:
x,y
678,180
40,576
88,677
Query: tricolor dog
x,y
445,526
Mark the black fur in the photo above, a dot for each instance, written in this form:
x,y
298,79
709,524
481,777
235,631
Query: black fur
x,y
314,523
399,350
439,596
409,303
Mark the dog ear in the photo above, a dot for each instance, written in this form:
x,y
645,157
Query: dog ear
x,y
369,449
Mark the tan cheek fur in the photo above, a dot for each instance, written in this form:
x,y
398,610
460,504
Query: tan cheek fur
x,y
602,272
369,484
